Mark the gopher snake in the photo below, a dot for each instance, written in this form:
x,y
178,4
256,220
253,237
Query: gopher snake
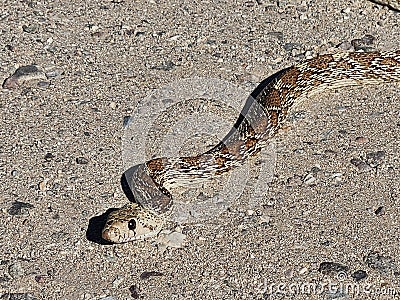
x,y
264,113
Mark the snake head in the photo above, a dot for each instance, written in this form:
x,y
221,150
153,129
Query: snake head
x,y
131,222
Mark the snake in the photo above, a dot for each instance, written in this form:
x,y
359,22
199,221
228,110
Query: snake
x,y
264,113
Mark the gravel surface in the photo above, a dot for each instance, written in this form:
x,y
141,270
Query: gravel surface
x,y
329,216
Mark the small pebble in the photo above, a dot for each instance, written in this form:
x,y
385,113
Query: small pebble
x,y
299,151
362,140
41,278
326,243
309,54
139,33
43,83
19,208
175,37
380,211
42,185
330,152
297,115
374,158
148,274
167,239
364,43
31,28
98,34
332,269
168,66
54,73
82,161
309,179
362,166
23,75
48,156
127,121
59,235
134,290
359,275
346,10
376,155
10,48
337,178
303,17
292,46
15,270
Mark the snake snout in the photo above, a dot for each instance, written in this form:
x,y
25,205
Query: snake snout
x,y
111,234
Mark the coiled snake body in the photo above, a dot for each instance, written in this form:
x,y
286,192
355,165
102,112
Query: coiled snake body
x,y
264,113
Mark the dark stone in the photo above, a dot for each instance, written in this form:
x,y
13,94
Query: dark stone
x,y
374,158
168,66
380,211
134,290
48,156
332,268
148,274
19,208
364,43
31,28
291,46
126,121
361,165
359,275
82,161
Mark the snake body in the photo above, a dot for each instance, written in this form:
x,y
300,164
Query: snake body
x,y
265,111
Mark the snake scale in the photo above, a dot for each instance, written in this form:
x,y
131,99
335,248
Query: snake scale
x,y
265,111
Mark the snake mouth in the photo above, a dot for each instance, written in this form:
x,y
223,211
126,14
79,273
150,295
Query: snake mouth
x,y
111,234
114,235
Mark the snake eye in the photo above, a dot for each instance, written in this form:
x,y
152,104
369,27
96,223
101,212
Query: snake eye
x,y
132,224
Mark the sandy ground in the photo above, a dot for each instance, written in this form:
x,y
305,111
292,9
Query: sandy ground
x,y
328,224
